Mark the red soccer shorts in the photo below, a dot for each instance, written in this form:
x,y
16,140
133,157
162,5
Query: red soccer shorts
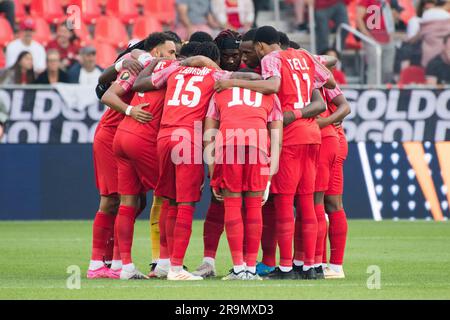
x,y
297,170
327,156
105,166
179,179
247,170
336,183
137,163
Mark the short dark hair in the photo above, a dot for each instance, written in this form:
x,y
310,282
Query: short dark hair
x,y
208,49
188,49
200,36
294,45
284,40
268,35
174,36
155,39
249,35
324,52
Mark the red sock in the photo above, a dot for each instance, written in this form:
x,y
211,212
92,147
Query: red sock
x,y
171,219
308,221
338,236
321,232
253,229
299,254
244,242
325,247
163,250
116,251
125,231
268,238
182,234
234,228
213,228
110,244
284,205
101,231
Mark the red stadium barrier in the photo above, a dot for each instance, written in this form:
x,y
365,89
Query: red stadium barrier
x,y
51,10
6,32
144,26
164,10
125,10
110,29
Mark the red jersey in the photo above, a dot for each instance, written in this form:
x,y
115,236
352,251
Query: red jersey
x,y
112,118
155,99
300,74
329,130
244,111
188,92
329,95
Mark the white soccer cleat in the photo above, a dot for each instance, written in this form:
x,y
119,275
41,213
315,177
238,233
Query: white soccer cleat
x,y
241,275
331,274
160,272
253,276
182,275
205,270
132,275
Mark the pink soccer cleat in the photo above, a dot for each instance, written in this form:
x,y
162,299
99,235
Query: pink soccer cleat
x,y
113,274
99,273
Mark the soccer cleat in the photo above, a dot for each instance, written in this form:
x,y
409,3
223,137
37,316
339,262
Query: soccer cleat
x,y
331,274
241,275
182,275
263,269
114,274
133,275
319,272
310,274
205,270
99,273
298,270
159,272
277,274
253,276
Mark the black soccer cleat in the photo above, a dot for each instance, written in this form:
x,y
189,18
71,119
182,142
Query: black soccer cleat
x,y
319,273
298,270
277,274
309,274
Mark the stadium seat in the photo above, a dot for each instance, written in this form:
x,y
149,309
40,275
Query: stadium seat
x,y
6,32
106,54
2,58
51,10
90,9
144,26
19,10
42,34
412,75
84,35
110,29
351,42
409,10
164,10
125,10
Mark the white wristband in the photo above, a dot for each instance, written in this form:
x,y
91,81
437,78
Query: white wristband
x,y
128,111
118,66
143,58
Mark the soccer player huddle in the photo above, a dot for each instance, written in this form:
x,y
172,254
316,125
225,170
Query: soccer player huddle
x,y
264,116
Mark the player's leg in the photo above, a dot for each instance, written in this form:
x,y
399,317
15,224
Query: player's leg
x,y
234,229
268,239
212,230
321,232
155,216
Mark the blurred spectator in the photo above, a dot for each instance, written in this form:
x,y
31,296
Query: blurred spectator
x,y
7,7
86,71
67,44
200,36
438,70
53,73
237,15
194,15
21,72
260,5
25,42
378,24
434,26
326,11
300,7
338,74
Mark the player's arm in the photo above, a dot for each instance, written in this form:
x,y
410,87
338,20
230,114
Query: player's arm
x,y
316,107
144,82
110,73
276,140
328,61
269,86
252,76
211,127
112,98
199,62
342,110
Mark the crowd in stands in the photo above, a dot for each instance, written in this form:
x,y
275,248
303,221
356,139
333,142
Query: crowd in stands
x,y
38,44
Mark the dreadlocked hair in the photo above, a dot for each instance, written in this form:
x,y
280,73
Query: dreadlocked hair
x,y
225,35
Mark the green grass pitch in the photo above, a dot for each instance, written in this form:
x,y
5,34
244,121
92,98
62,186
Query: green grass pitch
x,y
413,257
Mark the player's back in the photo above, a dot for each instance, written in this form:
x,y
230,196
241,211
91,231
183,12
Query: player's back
x,y
297,84
188,93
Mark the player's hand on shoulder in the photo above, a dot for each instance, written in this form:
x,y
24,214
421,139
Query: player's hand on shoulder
x,y
133,66
141,115
221,85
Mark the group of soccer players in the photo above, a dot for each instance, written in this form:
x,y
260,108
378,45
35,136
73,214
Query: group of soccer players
x,y
263,114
